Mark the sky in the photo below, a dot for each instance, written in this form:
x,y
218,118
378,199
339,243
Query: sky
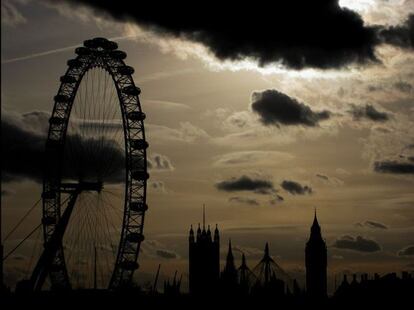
x,y
261,124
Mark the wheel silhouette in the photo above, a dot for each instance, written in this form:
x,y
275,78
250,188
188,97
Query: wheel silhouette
x,y
95,176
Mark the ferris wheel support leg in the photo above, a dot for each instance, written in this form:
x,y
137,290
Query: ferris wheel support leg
x,y
45,261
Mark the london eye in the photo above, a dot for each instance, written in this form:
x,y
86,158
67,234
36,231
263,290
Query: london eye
x,y
95,175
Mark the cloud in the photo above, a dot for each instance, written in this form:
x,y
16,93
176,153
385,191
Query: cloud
x,y
295,188
329,179
23,149
407,251
280,228
276,108
167,104
166,254
10,15
340,257
249,252
237,121
401,35
160,163
158,186
403,86
244,200
368,112
250,158
372,224
246,183
322,176
155,249
393,166
296,34
186,132
358,243
277,199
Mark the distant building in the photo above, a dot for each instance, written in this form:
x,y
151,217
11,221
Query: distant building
x,y
316,263
204,260
229,278
377,290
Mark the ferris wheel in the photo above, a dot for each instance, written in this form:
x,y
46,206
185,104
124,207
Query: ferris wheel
x,y
95,175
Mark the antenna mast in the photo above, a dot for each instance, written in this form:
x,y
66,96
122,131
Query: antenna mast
x,y
204,216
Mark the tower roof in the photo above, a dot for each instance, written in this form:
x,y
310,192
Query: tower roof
x,y
315,220
266,256
230,252
315,234
216,234
230,267
243,264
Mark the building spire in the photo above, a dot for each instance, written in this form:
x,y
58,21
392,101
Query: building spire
x,y
315,228
230,267
216,234
267,250
230,252
315,218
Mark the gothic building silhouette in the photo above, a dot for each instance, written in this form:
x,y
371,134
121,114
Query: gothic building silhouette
x,y
204,260
229,277
316,263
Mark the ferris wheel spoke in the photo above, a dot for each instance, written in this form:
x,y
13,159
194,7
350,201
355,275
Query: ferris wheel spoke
x,y
109,235
76,242
104,236
103,120
118,213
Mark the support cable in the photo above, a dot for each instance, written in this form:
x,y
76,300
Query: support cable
x,y
21,242
21,221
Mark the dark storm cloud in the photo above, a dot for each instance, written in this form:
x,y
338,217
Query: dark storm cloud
x,y
276,108
401,35
23,149
407,251
244,200
295,188
372,224
394,167
358,243
368,112
295,33
245,183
